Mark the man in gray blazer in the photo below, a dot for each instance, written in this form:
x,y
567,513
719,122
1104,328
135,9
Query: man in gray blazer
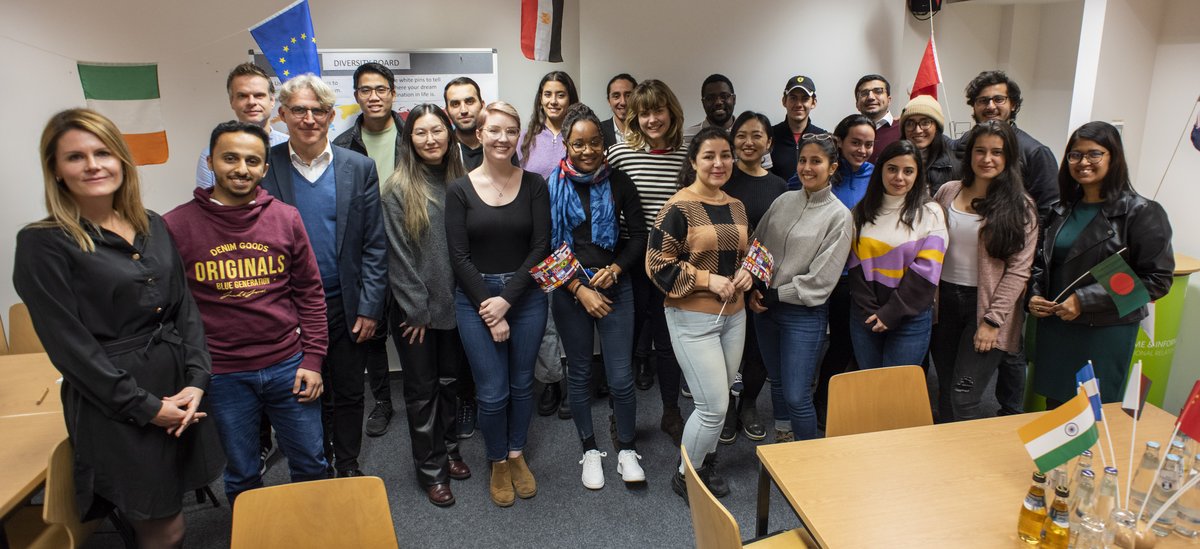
x,y
337,193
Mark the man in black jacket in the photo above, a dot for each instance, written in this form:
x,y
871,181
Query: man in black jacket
x,y
377,133
799,98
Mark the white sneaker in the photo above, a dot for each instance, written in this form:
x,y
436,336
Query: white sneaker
x,y
629,468
593,473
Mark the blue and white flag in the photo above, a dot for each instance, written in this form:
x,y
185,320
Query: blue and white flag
x,y
1086,378
287,40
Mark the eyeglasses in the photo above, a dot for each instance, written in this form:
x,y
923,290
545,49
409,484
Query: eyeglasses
x,y
867,92
924,123
317,112
366,91
818,136
436,131
1093,157
596,144
999,100
714,97
495,132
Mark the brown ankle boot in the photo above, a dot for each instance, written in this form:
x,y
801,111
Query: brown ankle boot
x,y
502,484
522,479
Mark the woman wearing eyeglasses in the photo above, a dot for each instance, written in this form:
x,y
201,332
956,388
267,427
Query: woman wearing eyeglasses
x,y
1098,215
922,123
497,228
588,200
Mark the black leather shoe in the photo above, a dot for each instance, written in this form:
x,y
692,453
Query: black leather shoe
x,y
645,376
440,495
464,420
379,418
351,473
459,470
679,485
564,407
715,482
550,399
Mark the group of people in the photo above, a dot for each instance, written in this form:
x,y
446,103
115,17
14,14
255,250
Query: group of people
x,y
280,281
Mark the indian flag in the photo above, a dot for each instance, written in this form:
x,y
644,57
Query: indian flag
x,y
1059,435
128,95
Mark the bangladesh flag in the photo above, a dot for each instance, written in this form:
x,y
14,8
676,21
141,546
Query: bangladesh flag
x,y
1121,283
128,95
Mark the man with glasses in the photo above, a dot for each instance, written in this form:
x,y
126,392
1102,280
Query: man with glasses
x,y
873,99
337,193
718,99
799,98
620,87
377,133
252,98
994,96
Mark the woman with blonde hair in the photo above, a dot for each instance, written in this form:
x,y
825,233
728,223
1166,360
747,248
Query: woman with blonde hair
x,y
497,228
107,295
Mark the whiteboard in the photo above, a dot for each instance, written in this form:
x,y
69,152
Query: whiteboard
x,y
421,75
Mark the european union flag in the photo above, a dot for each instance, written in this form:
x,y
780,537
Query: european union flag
x,y
287,40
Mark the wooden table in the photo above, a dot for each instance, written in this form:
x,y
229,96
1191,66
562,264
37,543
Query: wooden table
x,y
31,425
28,385
951,485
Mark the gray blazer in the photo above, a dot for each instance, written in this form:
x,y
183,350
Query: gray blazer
x,y
361,241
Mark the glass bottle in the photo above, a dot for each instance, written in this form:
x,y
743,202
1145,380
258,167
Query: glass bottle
x,y
1144,475
1089,534
1179,448
1169,480
1056,530
1057,477
1084,461
1106,498
1120,531
1082,501
1033,511
1189,507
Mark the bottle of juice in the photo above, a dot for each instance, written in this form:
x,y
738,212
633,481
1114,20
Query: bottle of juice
x,y
1056,530
1033,511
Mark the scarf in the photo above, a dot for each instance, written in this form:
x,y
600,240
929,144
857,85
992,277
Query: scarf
x,y
566,209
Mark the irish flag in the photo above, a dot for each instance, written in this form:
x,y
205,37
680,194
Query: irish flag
x,y
128,95
1059,435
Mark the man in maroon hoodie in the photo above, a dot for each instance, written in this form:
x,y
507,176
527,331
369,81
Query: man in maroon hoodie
x,y
252,271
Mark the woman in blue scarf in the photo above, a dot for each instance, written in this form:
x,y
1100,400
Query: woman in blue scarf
x,y
588,202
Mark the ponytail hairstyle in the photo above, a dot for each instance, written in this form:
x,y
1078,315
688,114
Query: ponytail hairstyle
x,y
867,209
687,174
1005,208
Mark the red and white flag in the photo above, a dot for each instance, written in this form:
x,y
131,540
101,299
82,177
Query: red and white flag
x,y
541,30
929,74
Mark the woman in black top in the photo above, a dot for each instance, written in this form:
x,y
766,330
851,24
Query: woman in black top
x,y
107,295
588,202
1099,214
922,123
497,228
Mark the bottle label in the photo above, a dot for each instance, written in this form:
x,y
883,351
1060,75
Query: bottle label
x,y
1060,518
1034,503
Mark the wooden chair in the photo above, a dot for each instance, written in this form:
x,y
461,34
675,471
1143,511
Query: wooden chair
x,y
878,399
716,529
3,339
281,516
54,524
22,338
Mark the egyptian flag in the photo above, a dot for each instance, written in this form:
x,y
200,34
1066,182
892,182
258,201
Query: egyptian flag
x,y
128,95
929,74
541,30
1121,283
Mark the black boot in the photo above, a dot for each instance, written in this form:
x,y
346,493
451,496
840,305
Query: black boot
x,y
708,473
564,406
679,485
644,374
551,397
730,430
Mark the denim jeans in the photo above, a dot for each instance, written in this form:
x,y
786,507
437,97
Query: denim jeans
x,y
503,371
238,400
709,349
577,329
901,345
963,374
790,337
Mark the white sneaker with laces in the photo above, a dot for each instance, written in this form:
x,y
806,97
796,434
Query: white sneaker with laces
x,y
629,468
593,473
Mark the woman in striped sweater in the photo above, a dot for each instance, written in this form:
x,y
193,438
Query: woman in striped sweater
x,y
694,254
895,262
652,156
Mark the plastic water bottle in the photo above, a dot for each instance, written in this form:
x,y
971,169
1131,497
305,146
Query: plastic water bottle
x,y
1144,475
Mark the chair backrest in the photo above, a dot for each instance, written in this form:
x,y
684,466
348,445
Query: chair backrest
x,y
878,399
59,507
22,338
3,339
715,528
281,516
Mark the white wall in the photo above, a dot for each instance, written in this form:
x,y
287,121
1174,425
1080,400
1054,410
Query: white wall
x,y
195,45
1131,29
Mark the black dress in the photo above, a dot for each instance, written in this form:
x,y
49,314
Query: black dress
x,y
122,328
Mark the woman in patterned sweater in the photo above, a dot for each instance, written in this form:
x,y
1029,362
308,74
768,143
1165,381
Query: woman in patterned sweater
x,y
895,262
694,255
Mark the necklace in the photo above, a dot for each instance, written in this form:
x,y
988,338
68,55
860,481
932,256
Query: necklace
x,y
500,188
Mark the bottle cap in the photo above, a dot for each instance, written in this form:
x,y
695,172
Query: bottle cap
x,y
1152,444
1087,453
1177,444
1110,470
1039,477
1172,457
1061,492
1088,473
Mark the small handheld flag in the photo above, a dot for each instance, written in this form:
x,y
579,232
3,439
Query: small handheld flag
x,y
1136,389
759,262
288,41
1189,418
1121,283
554,271
1061,434
1086,378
